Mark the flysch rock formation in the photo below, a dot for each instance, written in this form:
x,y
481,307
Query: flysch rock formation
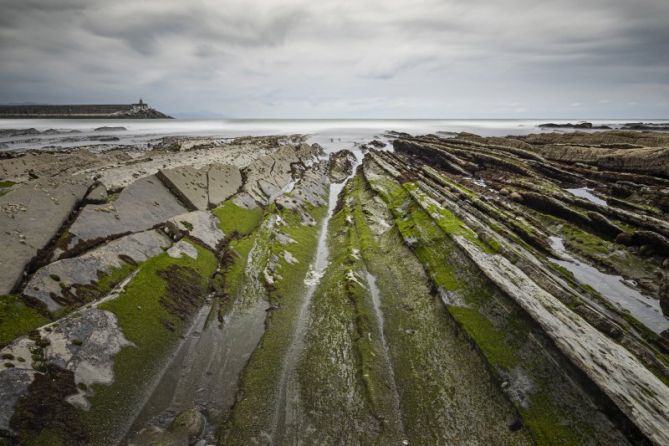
x,y
200,225
452,290
202,188
141,206
639,393
189,184
341,165
115,174
311,190
56,283
30,216
223,181
269,176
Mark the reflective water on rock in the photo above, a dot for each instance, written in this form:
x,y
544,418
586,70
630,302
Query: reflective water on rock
x,y
204,372
586,192
614,288
289,398
376,301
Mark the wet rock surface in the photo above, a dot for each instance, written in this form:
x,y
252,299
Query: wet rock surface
x,y
59,283
341,165
30,217
189,184
203,188
450,289
200,225
224,181
141,206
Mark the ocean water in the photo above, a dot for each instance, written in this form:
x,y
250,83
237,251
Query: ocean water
x,y
331,134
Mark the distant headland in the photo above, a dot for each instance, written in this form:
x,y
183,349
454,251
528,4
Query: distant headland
x,y
140,110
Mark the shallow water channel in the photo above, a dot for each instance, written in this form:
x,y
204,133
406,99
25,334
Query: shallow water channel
x,y
287,410
613,288
204,372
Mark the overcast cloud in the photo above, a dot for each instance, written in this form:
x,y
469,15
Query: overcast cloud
x,y
348,59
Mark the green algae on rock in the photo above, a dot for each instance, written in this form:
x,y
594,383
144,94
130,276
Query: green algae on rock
x,y
250,291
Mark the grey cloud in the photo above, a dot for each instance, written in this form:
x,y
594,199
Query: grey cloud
x,y
142,30
342,58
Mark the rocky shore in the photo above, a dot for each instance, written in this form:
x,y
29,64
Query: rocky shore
x,y
259,290
585,125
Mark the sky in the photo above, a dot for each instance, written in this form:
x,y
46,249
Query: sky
x,y
342,59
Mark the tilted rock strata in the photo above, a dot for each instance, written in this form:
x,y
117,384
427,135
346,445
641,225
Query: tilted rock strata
x,y
200,225
189,184
51,282
141,206
646,406
223,181
553,360
30,216
203,188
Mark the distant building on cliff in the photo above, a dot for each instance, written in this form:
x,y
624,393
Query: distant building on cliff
x,y
140,110
141,105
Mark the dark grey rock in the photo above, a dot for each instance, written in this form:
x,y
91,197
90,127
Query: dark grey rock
x,y
190,422
14,384
110,129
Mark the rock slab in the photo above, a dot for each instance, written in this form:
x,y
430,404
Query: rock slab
x,y
47,283
201,225
189,184
30,216
224,181
143,205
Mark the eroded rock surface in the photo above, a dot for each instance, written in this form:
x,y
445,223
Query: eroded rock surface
x,y
30,217
311,190
203,188
83,343
58,283
189,184
224,181
443,293
341,165
269,176
141,206
86,344
201,225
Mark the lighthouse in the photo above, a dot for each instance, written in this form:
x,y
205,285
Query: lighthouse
x,y
141,105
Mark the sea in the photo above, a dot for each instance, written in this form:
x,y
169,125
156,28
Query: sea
x,y
333,134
